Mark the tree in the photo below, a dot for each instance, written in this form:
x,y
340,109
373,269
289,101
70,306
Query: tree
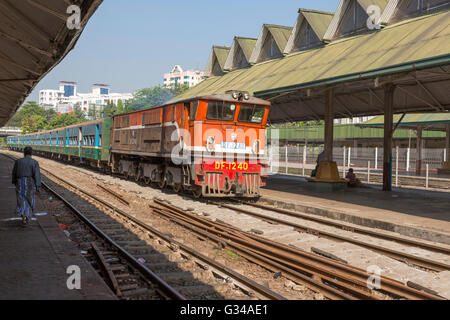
x,y
64,120
180,89
120,106
110,109
78,113
94,112
26,111
152,97
33,124
49,114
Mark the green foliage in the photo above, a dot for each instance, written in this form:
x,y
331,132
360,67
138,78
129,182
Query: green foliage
x,y
33,123
120,107
29,109
33,118
180,89
94,112
152,97
64,120
3,142
110,109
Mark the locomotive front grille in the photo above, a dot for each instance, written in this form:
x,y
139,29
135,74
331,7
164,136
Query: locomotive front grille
x,y
215,185
252,184
212,185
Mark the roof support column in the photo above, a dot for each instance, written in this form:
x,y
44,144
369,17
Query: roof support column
x,y
389,90
419,148
446,168
447,143
329,125
327,171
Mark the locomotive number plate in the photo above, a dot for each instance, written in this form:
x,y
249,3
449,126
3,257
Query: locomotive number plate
x,y
233,146
234,166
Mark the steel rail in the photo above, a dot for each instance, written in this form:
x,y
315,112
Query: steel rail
x,y
329,292
240,278
401,256
146,272
354,229
246,245
321,266
114,194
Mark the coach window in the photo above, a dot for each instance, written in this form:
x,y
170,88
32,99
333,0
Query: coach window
x,y
251,113
218,110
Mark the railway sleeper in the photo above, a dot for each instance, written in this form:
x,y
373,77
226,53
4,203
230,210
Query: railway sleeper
x,y
158,258
127,243
170,266
126,236
197,291
174,277
139,250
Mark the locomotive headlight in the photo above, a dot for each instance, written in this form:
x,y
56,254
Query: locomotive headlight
x,y
210,144
246,96
256,146
235,95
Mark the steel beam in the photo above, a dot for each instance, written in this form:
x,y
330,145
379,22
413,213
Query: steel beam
x,y
419,148
389,90
329,125
447,142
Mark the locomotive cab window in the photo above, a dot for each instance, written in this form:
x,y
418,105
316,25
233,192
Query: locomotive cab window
x,y
221,111
251,113
193,110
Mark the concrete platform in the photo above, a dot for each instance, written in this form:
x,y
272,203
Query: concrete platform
x,y
410,212
34,259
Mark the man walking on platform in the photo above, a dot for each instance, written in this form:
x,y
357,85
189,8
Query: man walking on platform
x,y
26,177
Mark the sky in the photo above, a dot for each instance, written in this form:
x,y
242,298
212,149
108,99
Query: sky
x,y
130,44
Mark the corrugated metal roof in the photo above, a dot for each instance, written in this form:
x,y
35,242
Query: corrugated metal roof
x,y
34,38
247,45
367,3
280,34
411,41
217,60
318,20
221,54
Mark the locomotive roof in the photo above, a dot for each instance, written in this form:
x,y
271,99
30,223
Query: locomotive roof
x,y
215,97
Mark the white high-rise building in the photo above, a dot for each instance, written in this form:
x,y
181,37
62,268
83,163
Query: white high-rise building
x,y
64,99
179,77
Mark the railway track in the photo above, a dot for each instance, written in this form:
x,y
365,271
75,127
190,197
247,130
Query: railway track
x,y
398,255
166,269
348,283
334,279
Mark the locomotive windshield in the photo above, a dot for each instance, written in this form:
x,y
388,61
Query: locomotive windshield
x,y
251,113
218,110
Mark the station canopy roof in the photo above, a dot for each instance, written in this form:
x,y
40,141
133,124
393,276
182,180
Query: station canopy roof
x,y
413,54
34,38
428,121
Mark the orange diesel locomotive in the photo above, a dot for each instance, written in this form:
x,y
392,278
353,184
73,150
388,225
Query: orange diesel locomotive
x,y
212,146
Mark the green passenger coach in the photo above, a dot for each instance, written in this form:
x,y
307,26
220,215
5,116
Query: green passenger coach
x,y
86,142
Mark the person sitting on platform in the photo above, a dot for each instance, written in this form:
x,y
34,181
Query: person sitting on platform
x,y
26,177
353,182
